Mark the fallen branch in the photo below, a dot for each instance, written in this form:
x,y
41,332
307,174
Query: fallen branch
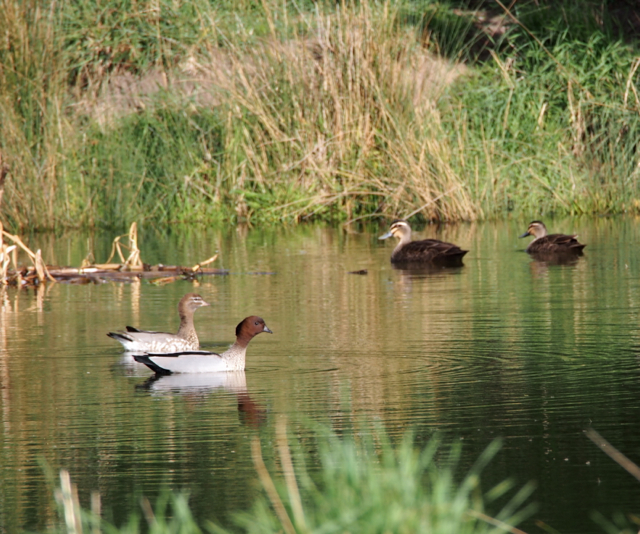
x,y
130,269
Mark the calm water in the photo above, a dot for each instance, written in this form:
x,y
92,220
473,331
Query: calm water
x,y
503,347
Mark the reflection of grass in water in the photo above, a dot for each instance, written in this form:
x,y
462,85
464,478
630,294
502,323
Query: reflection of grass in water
x,y
364,485
619,524
323,112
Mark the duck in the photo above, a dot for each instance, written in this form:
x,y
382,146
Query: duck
x,y
134,340
551,243
425,251
203,361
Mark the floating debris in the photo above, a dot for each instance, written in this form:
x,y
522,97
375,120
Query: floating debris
x,y
128,270
9,253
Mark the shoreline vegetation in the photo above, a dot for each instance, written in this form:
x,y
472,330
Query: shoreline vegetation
x,y
280,112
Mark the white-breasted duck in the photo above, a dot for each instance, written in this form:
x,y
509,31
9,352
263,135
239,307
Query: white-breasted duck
x,y
186,338
425,251
544,243
232,359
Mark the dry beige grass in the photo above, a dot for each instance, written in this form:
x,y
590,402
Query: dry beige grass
x,y
345,115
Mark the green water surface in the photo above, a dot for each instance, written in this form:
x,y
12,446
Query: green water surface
x,y
504,347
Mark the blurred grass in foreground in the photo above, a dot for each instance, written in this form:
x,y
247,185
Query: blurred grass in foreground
x,y
364,485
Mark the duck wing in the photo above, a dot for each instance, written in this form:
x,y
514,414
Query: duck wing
x,y
429,250
556,243
151,341
194,361
134,329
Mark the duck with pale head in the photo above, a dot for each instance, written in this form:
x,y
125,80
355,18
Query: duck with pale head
x,y
426,251
186,338
544,243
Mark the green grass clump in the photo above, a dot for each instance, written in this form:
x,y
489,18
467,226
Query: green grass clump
x,y
371,486
558,133
343,117
32,102
157,164
103,38
363,485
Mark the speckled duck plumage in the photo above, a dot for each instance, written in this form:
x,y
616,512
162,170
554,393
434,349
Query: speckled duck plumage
x,y
186,338
544,243
431,251
232,359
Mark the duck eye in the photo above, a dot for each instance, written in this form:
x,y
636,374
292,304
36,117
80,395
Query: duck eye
x,y
256,323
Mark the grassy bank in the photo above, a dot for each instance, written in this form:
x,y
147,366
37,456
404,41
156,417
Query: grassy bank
x,y
363,484
176,111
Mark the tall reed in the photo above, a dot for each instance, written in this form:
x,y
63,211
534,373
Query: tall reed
x,y
343,114
33,123
558,131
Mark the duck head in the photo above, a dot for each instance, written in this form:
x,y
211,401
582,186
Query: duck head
x,y
536,229
191,302
400,230
251,327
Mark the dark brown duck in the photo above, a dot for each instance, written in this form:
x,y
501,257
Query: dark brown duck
x,y
425,251
544,243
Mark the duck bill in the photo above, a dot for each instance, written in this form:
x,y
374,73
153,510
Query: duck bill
x,y
525,234
267,329
386,236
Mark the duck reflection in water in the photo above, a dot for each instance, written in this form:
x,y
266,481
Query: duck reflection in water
x,y
425,270
555,258
200,385
427,254
541,266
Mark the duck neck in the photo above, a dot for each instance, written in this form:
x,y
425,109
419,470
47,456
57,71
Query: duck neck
x,y
539,236
235,356
187,330
404,239
541,231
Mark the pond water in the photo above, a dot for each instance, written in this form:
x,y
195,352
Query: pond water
x,y
531,352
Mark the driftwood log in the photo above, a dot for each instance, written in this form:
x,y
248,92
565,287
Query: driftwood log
x,y
129,269
96,274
